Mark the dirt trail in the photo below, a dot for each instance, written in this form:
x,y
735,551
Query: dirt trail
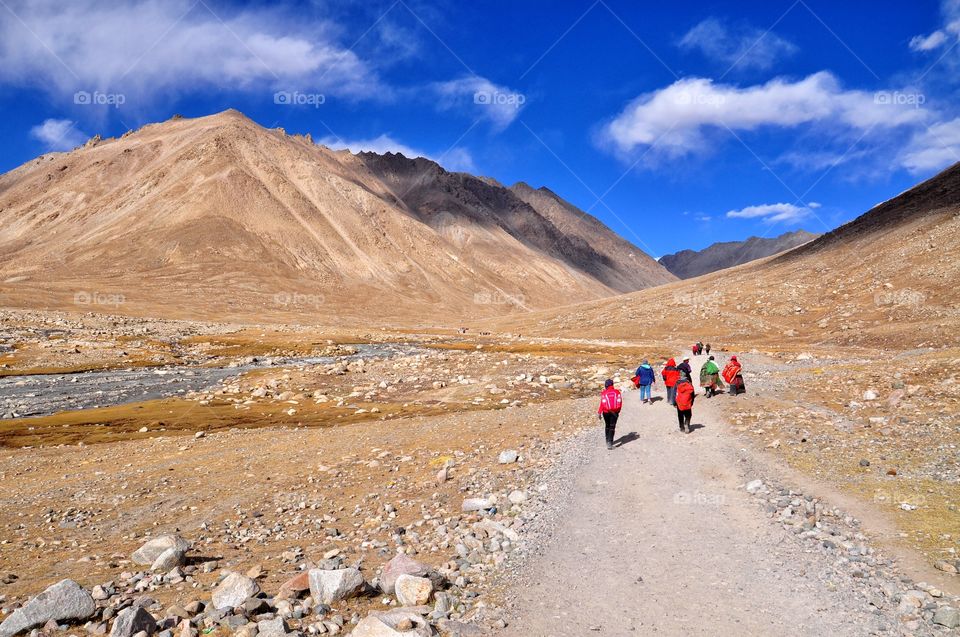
x,y
661,538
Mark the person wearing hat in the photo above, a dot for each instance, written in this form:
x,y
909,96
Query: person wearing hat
x,y
611,401
733,374
710,377
685,368
646,379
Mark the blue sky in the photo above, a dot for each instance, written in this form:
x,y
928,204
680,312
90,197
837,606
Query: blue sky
x,y
676,125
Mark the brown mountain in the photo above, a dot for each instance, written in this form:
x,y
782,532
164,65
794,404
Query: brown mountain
x,y
217,216
687,264
886,279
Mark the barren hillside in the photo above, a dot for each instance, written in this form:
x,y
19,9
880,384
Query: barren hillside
x,y
217,216
886,279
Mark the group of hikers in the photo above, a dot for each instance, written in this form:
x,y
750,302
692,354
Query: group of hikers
x,y
678,381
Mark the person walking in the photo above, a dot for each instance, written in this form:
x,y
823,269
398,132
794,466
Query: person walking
x,y
611,401
733,375
646,379
670,375
685,368
707,349
685,397
693,349
710,377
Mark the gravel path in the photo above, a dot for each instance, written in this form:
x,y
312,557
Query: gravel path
x,y
660,537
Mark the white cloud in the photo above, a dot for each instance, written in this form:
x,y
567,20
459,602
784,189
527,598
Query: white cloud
x,y
950,32
151,48
677,118
742,47
773,212
498,104
455,159
58,134
928,42
933,148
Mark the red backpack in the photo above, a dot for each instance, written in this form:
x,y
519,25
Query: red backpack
x,y
611,401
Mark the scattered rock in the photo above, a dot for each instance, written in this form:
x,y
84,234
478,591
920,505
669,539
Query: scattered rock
x,y
754,486
947,616
271,628
132,621
169,560
476,504
64,600
330,586
508,457
234,590
412,590
402,564
393,623
149,552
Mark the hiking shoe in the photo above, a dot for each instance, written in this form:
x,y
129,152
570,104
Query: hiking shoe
x,y
609,447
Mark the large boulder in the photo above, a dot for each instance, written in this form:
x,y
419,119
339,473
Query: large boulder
x,y
169,560
413,591
393,623
403,564
64,600
330,586
234,590
150,551
131,621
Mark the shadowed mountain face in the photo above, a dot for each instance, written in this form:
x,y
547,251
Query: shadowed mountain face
x,y
218,216
687,264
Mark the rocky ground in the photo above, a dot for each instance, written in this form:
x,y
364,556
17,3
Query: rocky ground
x,y
278,500
885,429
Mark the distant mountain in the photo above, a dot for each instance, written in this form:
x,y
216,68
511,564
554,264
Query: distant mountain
x,y
687,264
220,217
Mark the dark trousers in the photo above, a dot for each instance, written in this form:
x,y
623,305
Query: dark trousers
x,y
610,426
672,395
684,416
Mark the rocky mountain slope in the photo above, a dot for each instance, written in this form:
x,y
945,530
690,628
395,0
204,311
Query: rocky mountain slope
x,y
687,264
217,216
886,279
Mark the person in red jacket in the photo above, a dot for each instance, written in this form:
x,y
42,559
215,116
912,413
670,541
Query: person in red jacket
x,y
733,374
611,402
670,376
685,395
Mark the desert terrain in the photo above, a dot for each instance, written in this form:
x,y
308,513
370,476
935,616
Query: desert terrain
x,y
183,454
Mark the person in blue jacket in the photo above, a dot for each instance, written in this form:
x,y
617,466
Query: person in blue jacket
x,y
646,379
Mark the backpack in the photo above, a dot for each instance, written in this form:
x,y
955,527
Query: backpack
x,y
611,402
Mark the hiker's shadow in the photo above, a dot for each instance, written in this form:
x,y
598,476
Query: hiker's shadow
x,y
623,440
695,426
657,399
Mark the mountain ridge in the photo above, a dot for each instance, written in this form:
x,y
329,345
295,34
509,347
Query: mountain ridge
x,y
217,215
687,264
